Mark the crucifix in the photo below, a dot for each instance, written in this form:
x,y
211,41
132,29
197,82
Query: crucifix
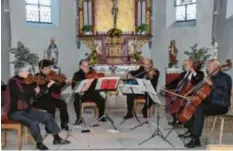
x,y
114,12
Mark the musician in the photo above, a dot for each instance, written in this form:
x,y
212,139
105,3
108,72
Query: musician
x,y
20,110
50,101
217,103
191,73
89,95
144,72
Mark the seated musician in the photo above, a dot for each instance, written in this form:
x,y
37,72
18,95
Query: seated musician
x,y
89,95
20,110
217,103
144,72
49,101
191,73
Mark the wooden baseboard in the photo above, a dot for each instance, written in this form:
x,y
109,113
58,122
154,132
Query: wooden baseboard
x,y
219,147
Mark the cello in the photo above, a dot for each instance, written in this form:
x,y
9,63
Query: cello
x,y
199,94
179,102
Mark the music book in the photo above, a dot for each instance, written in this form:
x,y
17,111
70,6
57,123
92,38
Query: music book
x,y
107,83
133,86
84,85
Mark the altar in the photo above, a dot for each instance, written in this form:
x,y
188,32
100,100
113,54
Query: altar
x,y
114,31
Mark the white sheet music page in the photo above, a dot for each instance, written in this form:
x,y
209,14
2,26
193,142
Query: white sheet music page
x,y
137,88
84,85
107,83
151,91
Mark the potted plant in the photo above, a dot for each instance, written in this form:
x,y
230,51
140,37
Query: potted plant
x,y
87,29
142,29
22,53
196,54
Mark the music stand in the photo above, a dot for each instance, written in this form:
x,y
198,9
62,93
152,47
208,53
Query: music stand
x,y
151,92
105,84
80,88
133,89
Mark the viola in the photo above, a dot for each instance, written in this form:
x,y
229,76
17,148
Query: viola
x,y
200,93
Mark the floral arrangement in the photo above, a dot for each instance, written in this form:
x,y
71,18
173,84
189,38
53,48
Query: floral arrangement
x,y
137,55
142,28
22,53
92,58
114,32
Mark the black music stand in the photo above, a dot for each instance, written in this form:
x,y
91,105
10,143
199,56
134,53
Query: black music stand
x,y
106,84
134,93
150,92
86,130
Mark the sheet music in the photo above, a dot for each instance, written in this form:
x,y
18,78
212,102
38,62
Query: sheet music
x,y
136,88
107,83
84,85
151,91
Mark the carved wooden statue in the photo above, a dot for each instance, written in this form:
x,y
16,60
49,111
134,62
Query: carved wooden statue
x,y
172,54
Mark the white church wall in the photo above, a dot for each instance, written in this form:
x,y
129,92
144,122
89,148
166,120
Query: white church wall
x,y
184,36
36,37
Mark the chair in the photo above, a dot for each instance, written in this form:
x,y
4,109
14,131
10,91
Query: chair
x,y
141,101
7,124
228,116
89,104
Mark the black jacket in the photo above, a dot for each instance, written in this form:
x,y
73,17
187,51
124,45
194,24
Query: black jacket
x,y
19,92
221,90
194,80
137,73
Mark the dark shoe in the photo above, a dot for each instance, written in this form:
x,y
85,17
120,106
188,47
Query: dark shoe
x,y
172,123
195,142
128,116
41,146
64,126
78,122
47,130
103,119
60,142
185,135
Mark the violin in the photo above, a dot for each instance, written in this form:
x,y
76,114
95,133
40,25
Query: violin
x,y
200,93
59,78
93,74
36,79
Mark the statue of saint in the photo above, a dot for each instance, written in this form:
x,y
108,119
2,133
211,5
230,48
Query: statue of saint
x,y
53,53
114,12
173,54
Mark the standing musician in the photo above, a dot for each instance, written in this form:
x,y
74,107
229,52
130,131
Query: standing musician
x,y
216,103
191,73
49,101
20,107
89,95
144,72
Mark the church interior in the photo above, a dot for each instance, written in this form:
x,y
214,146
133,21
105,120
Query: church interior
x,y
130,53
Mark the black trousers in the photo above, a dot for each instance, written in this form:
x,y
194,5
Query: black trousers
x,y
130,102
197,122
32,119
89,96
50,104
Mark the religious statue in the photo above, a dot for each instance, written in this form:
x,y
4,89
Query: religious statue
x,y
53,53
172,54
114,12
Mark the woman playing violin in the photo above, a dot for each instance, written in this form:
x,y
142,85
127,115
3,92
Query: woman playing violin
x,y
144,72
51,100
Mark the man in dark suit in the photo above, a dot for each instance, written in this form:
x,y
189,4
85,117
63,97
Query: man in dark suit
x,y
217,103
191,73
144,72
90,95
